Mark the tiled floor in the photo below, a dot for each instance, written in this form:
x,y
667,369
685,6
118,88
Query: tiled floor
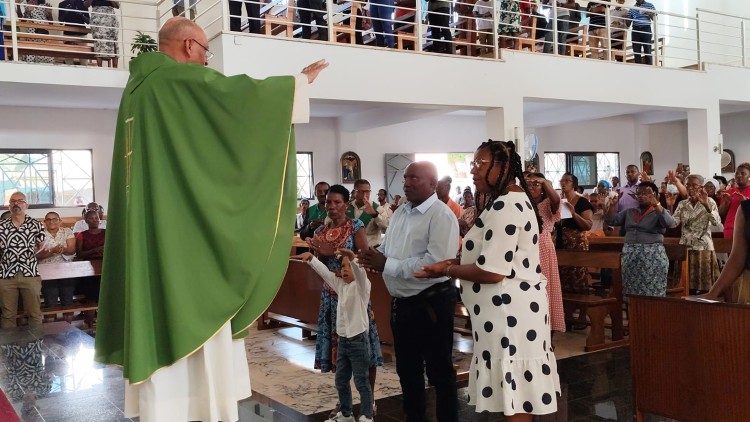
x,y
49,375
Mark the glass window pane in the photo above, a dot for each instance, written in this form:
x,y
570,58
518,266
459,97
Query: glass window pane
x,y
607,165
27,172
73,176
554,167
304,175
584,167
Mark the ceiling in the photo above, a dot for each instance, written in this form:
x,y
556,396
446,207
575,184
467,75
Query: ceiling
x,y
360,115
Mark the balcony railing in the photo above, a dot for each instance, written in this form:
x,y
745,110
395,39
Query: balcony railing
x,y
111,33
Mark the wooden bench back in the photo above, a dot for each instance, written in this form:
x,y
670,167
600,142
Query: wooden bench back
x,y
595,259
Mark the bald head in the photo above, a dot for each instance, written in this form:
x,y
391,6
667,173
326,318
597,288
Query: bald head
x,y
420,180
183,40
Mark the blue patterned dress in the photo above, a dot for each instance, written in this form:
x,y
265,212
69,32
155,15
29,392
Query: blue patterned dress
x,y
327,340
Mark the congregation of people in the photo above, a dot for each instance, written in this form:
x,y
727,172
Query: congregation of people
x,y
379,22
26,243
517,20
493,250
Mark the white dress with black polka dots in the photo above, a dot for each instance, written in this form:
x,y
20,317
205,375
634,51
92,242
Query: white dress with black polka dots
x,y
513,369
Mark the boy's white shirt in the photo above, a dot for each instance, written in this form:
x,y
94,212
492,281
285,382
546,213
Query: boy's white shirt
x,y
351,312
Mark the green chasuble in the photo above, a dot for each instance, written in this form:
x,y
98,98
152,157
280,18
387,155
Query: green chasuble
x,y
201,211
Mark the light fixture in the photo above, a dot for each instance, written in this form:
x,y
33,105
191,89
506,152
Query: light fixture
x,y
718,147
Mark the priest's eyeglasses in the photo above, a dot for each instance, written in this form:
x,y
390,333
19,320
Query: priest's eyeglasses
x,y
209,55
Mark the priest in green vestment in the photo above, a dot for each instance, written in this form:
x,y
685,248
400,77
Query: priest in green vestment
x,y
201,214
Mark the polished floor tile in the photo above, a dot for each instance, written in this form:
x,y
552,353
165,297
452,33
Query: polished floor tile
x,y
49,375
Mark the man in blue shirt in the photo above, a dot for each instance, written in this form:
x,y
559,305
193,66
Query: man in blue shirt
x,y
642,35
421,232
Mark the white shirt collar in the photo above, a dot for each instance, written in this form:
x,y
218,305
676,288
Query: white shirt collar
x,y
424,206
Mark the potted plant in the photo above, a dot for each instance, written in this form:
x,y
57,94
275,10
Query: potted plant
x,y
142,43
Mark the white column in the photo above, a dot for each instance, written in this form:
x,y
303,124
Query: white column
x,y
506,124
704,149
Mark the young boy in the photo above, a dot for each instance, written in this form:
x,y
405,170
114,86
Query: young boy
x,y
352,322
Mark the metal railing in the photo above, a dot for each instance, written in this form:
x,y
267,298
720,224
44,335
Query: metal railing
x,y
607,31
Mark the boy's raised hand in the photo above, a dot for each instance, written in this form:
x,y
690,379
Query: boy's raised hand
x,y
305,256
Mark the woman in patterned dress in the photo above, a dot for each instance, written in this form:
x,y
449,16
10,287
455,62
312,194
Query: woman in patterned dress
x,y
513,369
548,204
39,12
571,234
698,214
104,29
340,232
510,23
644,260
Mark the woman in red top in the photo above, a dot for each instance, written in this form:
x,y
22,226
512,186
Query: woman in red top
x,y
731,198
90,243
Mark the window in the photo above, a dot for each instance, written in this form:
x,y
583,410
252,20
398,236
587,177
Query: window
x,y
305,175
49,178
454,164
589,167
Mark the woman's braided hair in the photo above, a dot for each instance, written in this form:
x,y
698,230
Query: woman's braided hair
x,y
504,153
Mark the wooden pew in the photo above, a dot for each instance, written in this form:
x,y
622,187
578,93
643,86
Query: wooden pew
x,y
68,270
693,364
54,45
596,307
679,285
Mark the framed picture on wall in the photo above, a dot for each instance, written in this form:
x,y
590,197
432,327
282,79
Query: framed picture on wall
x,y
351,167
647,163
727,161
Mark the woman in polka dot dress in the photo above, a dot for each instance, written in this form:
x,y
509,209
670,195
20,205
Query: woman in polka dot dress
x,y
513,370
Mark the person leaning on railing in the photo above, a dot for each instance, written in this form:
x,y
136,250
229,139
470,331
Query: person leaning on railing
x,y
104,29
39,12
74,13
563,24
619,25
597,29
439,19
253,15
642,35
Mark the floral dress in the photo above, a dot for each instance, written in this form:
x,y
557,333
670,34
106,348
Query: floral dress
x,y
696,235
510,18
38,15
327,341
104,29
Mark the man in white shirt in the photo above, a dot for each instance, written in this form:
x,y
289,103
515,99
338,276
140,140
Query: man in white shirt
x,y
421,232
82,226
484,20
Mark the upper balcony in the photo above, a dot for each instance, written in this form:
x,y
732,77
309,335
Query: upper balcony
x,y
452,53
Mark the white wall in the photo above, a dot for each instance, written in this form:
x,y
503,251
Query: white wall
x,y
320,137
736,131
22,127
668,143
433,134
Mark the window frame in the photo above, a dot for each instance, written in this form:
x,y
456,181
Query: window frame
x,y
49,152
312,174
569,162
